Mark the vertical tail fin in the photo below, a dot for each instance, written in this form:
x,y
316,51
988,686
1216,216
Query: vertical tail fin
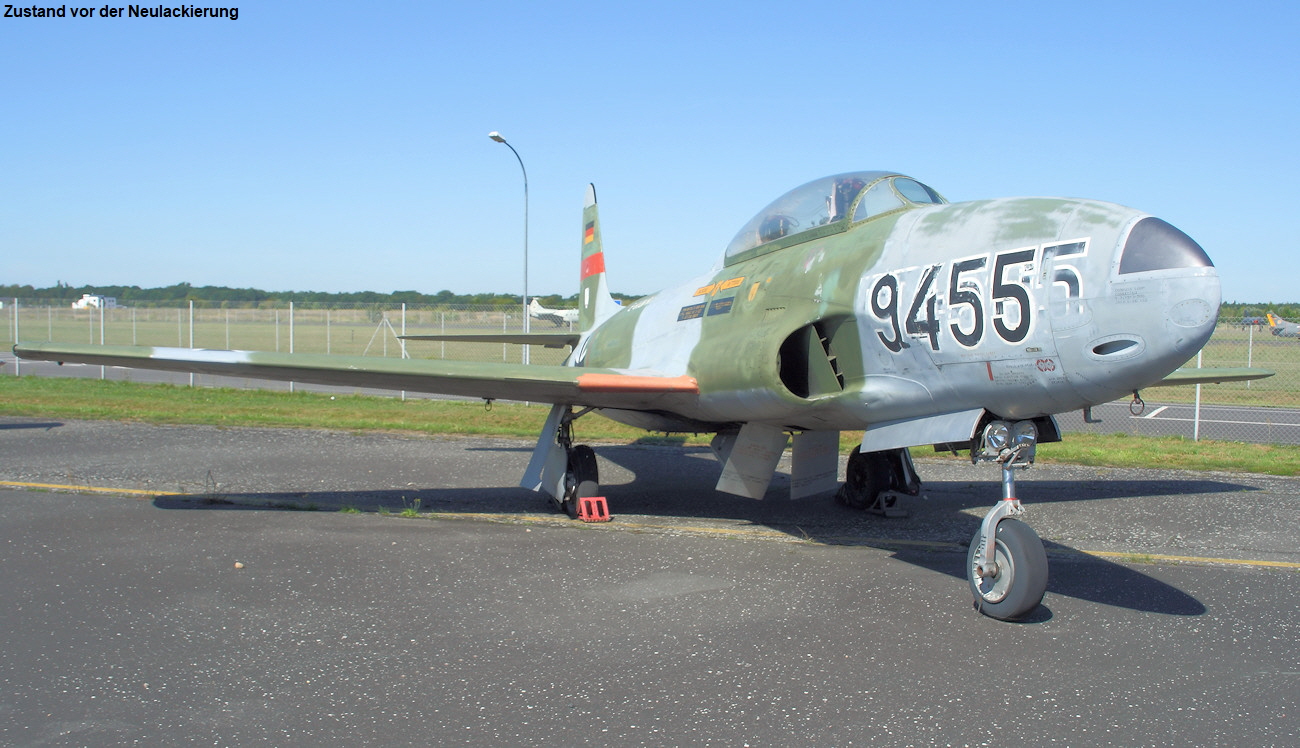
x,y
595,305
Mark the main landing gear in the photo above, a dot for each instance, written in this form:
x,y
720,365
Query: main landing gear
x,y
874,481
1006,564
580,499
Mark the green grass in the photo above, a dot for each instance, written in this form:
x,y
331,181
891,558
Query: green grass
x,y
1172,452
90,399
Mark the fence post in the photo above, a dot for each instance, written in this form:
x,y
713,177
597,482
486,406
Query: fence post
x,y
1250,347
17,365
291,337
1196,416
402,340
103,370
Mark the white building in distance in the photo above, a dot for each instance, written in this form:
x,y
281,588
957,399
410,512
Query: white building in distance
x,y
91,301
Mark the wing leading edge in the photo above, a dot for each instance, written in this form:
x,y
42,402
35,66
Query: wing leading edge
x,y
1212,376
568,385
547,339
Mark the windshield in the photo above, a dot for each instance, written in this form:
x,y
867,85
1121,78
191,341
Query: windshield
x,y
826,201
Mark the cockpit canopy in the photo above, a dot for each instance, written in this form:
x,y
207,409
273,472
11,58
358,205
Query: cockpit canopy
x,y
827,206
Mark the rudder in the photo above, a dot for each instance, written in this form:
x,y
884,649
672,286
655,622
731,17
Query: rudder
x,y
595,305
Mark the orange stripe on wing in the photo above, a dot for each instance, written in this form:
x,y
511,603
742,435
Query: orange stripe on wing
x,y
631,383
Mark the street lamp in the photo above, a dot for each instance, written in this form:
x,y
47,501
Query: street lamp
x,y
500,139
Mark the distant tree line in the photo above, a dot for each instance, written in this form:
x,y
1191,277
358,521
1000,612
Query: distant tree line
x,y
182,293
1235,311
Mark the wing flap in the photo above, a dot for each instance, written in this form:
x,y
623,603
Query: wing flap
x,y
598,388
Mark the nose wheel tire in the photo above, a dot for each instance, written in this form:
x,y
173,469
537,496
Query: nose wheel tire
x,y
1020,582
581,479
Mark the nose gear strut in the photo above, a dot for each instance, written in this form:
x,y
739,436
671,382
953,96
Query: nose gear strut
x,y
1006,563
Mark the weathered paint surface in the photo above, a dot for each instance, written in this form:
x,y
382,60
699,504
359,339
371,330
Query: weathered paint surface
x,y
995,304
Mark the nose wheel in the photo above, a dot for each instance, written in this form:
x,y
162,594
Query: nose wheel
x,y
1007,564
1017,580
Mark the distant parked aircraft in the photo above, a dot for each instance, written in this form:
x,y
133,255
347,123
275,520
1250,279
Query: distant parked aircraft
x,y
561,317
1282,328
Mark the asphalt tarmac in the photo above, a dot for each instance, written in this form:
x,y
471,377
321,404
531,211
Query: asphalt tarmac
x,y
161,586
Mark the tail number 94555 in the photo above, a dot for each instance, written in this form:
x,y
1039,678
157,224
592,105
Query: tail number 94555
x,y
963,299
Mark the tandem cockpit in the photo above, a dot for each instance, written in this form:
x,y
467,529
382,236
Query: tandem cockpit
x,y
827,206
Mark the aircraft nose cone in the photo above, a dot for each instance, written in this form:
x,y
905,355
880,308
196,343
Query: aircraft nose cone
x,y
1156,245
1191,301
1155,305
1167,293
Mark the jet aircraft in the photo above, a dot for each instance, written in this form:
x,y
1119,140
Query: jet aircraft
x,y
558,317
1282,328
860,301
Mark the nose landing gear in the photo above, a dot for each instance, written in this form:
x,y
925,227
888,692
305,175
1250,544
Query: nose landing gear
x,y
1006,564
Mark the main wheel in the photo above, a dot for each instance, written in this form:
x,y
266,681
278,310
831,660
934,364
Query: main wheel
x,y
581,479
1021,581
866,475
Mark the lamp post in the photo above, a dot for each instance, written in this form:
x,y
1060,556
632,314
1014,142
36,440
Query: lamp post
x,y
500,139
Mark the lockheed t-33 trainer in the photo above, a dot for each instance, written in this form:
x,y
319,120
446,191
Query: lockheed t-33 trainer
x,y
860,301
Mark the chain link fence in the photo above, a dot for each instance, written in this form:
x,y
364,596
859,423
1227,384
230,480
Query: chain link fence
x,y
1266,410
339,329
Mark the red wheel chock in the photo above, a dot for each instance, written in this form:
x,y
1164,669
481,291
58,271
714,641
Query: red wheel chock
x,y
593,509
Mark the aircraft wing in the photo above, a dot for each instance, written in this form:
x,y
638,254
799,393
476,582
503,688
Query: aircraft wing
x,y
547,339
1212,376
599,388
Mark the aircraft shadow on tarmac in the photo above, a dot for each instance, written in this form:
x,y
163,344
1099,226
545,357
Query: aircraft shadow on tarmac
x,y
39,425
675,484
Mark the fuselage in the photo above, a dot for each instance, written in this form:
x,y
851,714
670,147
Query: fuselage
x,y
1023,307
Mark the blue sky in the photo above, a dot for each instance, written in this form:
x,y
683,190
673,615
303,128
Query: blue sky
x,y
343,146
